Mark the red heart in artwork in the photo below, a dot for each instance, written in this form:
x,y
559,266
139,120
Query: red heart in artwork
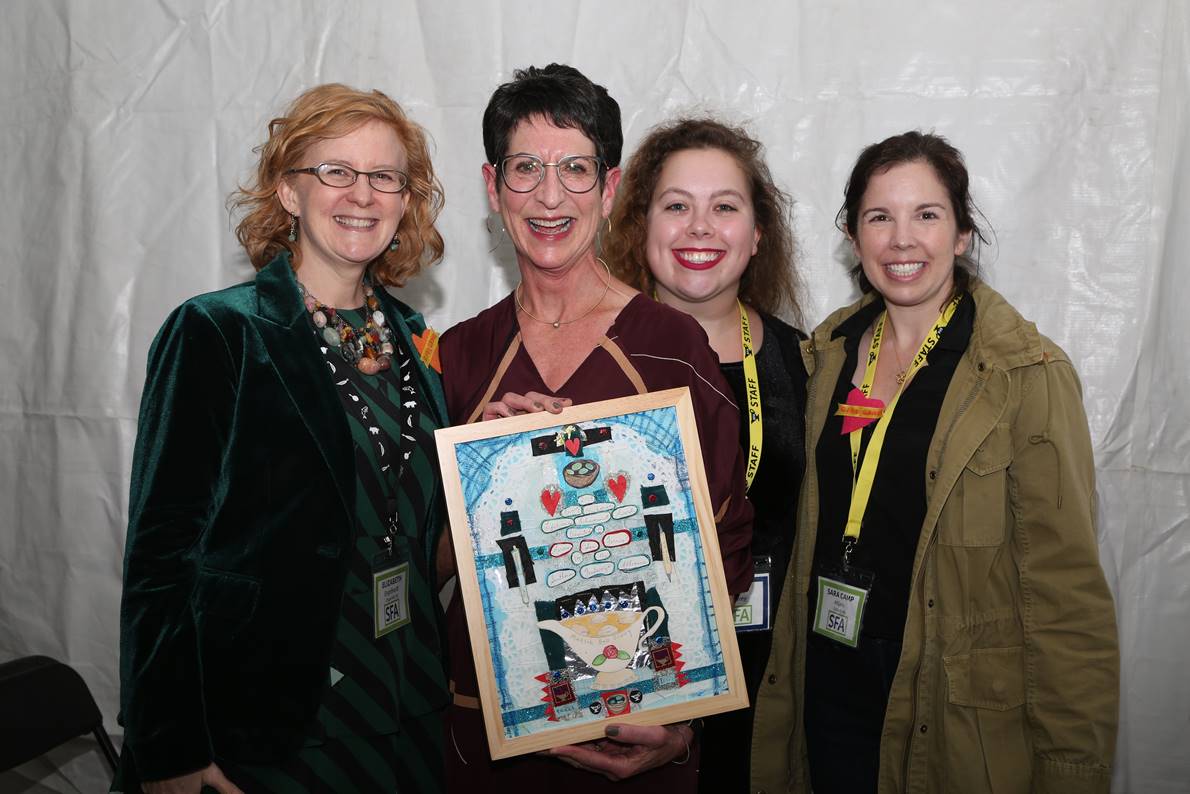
x,y
550,497
618,486
573,445
856,399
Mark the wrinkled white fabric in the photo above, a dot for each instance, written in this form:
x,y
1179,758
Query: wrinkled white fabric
x,y
124,127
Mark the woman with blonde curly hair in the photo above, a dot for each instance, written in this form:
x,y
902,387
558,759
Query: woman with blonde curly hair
x,y
279,630
701,226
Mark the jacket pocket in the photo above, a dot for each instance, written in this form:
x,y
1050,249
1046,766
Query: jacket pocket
x,y
987,678
986,719
983,491
226,598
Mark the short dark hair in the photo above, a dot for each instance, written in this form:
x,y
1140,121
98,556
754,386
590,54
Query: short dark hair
x,y
561,94
948,165
769,283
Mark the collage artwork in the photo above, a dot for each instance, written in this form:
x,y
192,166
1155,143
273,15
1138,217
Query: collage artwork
x,y
591,571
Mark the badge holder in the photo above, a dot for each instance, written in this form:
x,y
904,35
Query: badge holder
x,y
390,585
842,599
754,609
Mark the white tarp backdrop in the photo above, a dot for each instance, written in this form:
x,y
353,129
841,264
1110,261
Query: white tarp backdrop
x,y
124,126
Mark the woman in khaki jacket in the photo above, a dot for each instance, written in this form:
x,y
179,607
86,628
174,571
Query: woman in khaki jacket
x,y
948,627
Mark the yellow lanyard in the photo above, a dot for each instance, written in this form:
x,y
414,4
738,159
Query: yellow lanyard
x,y
752,392
865,475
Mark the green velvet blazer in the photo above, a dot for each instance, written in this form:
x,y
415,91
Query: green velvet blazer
x,y
241,518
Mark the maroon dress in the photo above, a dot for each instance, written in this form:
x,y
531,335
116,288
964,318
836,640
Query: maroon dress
x,y
649,347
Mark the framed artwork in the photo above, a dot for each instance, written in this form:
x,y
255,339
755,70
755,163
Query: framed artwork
x,y
589,567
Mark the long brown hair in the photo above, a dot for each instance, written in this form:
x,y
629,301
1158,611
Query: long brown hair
x,y
947,163
769,283
332,111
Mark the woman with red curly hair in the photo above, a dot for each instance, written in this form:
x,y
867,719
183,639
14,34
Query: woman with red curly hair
x,y
279,630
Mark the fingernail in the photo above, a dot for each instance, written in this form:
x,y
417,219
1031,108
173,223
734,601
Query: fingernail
x,y
557,404
613,730
538,406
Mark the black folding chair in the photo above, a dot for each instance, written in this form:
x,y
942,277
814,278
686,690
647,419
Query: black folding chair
x,y
45,703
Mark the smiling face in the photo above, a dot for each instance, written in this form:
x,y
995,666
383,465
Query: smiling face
x,y
551,228
346,228
906,236
701,226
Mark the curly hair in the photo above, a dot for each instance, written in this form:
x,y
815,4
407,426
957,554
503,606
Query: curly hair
x,y
769,284
947,163
332,111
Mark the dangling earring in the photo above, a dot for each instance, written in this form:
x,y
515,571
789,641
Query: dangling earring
x,y
396,243
601,235
487,224
293,228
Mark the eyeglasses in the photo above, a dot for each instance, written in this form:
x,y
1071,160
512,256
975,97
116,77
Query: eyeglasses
x,y
388,180
524,172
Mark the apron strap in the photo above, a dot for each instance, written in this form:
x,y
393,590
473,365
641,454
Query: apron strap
x,y
621,359
505,363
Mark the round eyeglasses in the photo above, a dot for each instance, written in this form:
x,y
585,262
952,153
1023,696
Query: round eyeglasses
x,y
387,180
524,172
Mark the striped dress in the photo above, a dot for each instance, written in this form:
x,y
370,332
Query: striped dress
x,y
379,728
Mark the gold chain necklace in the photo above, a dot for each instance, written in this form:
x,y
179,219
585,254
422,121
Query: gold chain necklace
x,y
516,295
904,370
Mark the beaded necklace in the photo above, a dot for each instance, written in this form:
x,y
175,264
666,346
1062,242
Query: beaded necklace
x,y
369,348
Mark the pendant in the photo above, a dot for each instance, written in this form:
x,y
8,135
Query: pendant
x,y
901,377
859,411
557,324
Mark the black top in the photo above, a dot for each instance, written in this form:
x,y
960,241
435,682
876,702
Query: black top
x,y
774,490
727,738
897,507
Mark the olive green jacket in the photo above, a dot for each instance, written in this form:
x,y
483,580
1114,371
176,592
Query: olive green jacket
x,y
241,522
1009,673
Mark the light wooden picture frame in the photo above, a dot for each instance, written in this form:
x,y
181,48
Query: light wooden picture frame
x,y
589,567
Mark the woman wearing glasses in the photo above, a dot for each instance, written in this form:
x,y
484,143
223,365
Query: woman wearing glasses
x,y
571,333
278,627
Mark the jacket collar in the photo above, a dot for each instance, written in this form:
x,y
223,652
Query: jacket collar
x,y
1001,337
278,298
279,302
286,337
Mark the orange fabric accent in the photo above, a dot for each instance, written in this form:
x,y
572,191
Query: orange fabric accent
x,y
860,411
427,347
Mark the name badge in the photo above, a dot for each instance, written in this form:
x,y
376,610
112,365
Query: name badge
x,y
753,610
390,598
840,610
